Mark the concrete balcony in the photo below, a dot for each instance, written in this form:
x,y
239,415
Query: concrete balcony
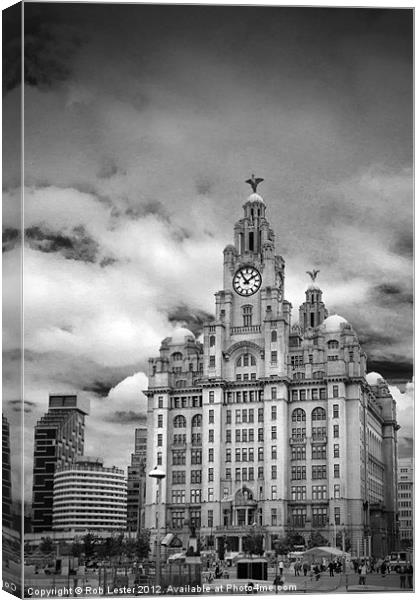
x,y
319,439
298,439
245,329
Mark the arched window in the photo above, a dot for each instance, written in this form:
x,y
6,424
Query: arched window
x,y
333,344
274,335
319,414
298,375
298,415
177,356
212,340
180,421
196,421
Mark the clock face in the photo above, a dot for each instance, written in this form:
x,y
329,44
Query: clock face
x,y
247,281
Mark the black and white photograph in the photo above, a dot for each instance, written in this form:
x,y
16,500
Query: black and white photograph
x,y
207,299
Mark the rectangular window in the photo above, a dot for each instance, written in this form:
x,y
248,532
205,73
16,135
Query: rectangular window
x,y
319,492
298,472
159,458
274,432
244,473
335,411
336,490
298,492
261,434
336,450
335,391
160,421
315,395
336,431
251,474
319,516
260,472
244,435
237,435
295,395
274,492
228,473
210,519
302,395
274,516
238,474
210,496
274,356
298,452
195,496
228,436
260,415
260,453
211,416
237,416
228,455
212,361
178,477
237,455
319,451
273,393
244,415
273,413
336,470
298,517
160,439
211,474
244,455
160,402
251,454
319,471
211,436
337,517
273,472
195,476
195,457
251,415
211,397
228,417
274,452
323,394
251,435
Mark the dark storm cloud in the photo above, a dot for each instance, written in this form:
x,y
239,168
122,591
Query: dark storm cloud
x,y
386,294
190,318
100,388
392,370
49,46
75,246
10,238
18,405
150,207
107,261
123,417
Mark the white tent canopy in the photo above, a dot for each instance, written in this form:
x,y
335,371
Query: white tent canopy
x,y
325,552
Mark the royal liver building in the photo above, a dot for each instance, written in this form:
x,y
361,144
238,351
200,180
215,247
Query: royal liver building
x,y
270,427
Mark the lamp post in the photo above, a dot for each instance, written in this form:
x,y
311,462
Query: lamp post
x,y
157,474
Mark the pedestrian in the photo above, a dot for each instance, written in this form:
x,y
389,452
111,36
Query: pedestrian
x,y
403,577
305,567
356,566
331,568
410,575
362,574
281,567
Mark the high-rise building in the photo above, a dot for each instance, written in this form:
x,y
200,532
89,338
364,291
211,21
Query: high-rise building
x,y
270,428
59,439
136,482
406,500
6,475
89,497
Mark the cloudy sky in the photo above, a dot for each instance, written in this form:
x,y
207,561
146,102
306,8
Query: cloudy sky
x,y
141,125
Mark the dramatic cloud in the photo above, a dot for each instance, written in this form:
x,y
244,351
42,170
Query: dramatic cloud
x,y
404,398
141,124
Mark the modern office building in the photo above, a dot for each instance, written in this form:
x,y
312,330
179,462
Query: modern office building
x,y
136,482
89,497
406,500
270,427
6,475
59,439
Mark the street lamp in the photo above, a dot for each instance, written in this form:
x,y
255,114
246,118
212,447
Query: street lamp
x,y
157,474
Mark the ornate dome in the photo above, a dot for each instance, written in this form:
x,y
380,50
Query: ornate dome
x,y
372,378
312,286
254,197
333,323
179,335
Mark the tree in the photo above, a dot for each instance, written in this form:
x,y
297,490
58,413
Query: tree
x,y
46,546
143,544
253,544
316,539
89,542
76,548
130,548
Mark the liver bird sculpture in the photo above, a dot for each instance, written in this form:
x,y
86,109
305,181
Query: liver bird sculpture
x,y
313,274
254,182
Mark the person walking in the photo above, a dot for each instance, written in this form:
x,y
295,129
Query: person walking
x,y
281,567
403,577
331,568
305,567
362,574
410,575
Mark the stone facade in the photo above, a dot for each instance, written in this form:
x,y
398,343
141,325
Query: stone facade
x,y
267,426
